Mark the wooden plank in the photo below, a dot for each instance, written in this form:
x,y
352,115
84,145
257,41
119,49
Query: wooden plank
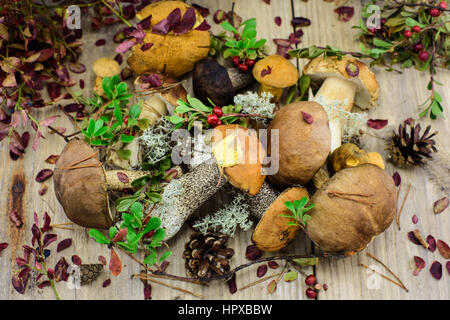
x,y
399,97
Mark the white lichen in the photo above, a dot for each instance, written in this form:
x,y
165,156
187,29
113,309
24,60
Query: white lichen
x,y
252,103
353,121
227,219
156,141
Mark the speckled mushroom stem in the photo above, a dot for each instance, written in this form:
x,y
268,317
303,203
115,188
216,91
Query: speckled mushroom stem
x,y
336,91
276,92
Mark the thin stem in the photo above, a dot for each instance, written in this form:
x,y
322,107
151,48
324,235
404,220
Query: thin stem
x,y
420,4
116,13
389,270
401,208
168,285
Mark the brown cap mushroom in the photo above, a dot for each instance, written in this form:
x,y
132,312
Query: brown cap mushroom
x,y
344,83
81,185
240,155
171,54
351,208
275,73
104,67
273,232
303,147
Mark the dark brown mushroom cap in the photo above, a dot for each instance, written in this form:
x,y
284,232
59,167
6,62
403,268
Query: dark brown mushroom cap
x,y
82,191
211,80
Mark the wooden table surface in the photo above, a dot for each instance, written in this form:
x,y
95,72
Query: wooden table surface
x,y
399,99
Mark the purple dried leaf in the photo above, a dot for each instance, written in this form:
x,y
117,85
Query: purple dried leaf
x,y
51,159
278,20
261,271
440,205
273,265
119,58
64,244
61,269
431,243
147,292
232,286
126,73
307,117
18,284
125,46
21,262
123,177
102,260
345,13
81,84
443,249
146,23
15,218
44,284
76,260
187,23
106,283
420,263
146,46
397,178
153,79
415,219
293,39
252,253
43,175
436,270
300,22
377,123
77,67
204,12
219,16
3,246
204,26
265,72
73,107
37,137
282,42
54,91
49,238
25,139
412,238
100,42
166,25
164,265
447,265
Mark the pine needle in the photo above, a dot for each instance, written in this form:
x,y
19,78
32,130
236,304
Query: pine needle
x,y
401,208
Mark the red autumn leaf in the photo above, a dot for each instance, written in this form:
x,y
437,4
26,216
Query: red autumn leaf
x,y
123,177
415,219
106,283
51,159
443,249
147,292
261,271
166,25
232,284
164,265
124,46
3,246
204,12
345,13
265,72
307,117
447,265
100,42
252,253
120,235
76,260
186,23
273,265
115,264
18,284
436,270
146,46
44,284
102,260
278,21
440,205
43,175
64,244
204,26
377,124
431,243
420,264
397,178
49,238
300,22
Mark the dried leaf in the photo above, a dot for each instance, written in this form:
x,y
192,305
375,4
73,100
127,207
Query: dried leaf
x,y
232,286
120,235
166,25
440,205
15,218
64,244
204,12
305,262
100,42
307,117
186,23
415,219
273,265
51,159
272,287
436,270
252,253
102,260
76,260
106,283
431,243
345,13
147,292
115,264
300,22
265,72
397,178
290,276
3,246
125,46
43,175
49,238
418,235
448,267
123,177
377,124
443,249
420,264
261,271
278,21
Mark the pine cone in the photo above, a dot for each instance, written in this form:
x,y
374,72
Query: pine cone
x,y
207,253
408,148
90,272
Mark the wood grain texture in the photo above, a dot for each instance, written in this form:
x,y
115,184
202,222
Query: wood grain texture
x,y
399,97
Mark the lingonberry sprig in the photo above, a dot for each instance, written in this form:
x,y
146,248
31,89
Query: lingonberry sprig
x,y
298,209
412,34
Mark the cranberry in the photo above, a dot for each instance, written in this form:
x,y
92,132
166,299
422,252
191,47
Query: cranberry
x,y
418,47
219,123
218,111
424,56
212,119
443,5
243,67
311,293
149,234
407,33
416,29
250,62
125,120
310,280
435,12
236,60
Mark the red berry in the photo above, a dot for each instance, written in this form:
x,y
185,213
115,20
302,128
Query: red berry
x,y
250,62
243,67
212,119
407,33
418,47
149,234
434,12
310,293
310,280
218,111
443,5
372,30
424,56
236,60
125,120
416,29
219,123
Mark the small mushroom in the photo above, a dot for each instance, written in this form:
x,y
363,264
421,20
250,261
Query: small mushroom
x,y
345,83
104,67
349,155
275,73
303,146
272,232
81,185
218,83
170,53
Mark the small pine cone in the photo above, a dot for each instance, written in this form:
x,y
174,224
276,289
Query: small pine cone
x,y
90,272
207,254
408,148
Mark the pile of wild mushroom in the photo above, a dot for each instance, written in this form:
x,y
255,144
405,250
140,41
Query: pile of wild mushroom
x,y
355,200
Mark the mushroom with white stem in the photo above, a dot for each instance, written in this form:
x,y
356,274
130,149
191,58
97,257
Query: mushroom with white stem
x,y
274,73
345,83
81,185
104,67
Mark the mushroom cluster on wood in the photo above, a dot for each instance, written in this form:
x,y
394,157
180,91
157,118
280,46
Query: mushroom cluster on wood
x,y
303,147
351,208
170,53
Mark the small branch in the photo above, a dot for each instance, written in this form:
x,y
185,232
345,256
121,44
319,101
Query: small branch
x,y
401,208
420,4
58,133
382,275
116,13
261,280
389,270
168,285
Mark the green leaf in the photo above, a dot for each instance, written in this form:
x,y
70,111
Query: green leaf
x,y
135,111
152,224
290,276
126,138
124,154
305,262
125,203
165,255
290,206
153,197
137,209
410,22
381,43
107,87
175,119
197,104
151,259
98,236
158,236
118,114
112,232
227,26
300,203
91,127
304,83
